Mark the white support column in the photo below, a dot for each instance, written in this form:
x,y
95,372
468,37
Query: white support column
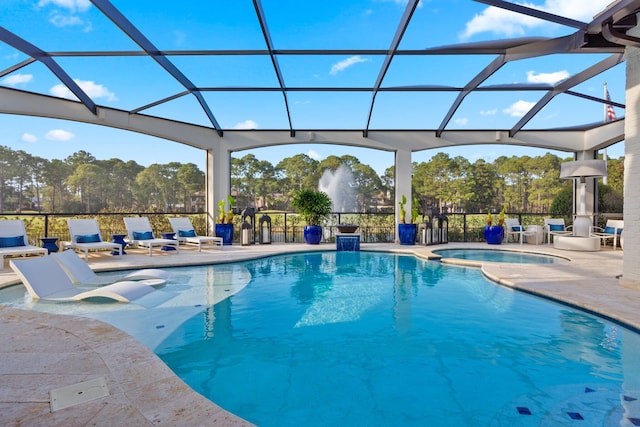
x,y
631,256
403,185
584,198
218,178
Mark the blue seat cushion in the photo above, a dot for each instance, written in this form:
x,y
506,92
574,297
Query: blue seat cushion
x,y
611,230
517,228
9,242
143,235
186,233
556,227
87,238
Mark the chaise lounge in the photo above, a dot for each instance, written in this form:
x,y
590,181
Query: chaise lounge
x,y
45,279
141,234
86,237
185,233
81,274
14,241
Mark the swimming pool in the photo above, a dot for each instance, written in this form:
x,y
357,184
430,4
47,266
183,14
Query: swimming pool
x,y
378,339
496,255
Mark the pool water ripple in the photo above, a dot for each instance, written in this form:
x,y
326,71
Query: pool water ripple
x,y
378,339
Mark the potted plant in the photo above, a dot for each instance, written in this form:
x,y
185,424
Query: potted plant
x,y
224,220
314,207
407,233
494,234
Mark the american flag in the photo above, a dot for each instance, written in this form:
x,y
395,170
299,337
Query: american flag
x,y
611,115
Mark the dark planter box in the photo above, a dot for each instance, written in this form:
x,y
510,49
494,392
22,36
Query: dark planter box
x,y
407,233
494,234
312,234
226,232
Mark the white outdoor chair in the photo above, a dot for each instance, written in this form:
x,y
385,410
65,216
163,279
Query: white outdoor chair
x,y
82,275
86,237
556,227
141,234
514,228
612,230
45,279
14,241
185,233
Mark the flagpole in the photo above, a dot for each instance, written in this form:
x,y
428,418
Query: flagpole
x,y
604,120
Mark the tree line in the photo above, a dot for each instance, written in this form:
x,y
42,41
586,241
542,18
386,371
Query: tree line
x,y
81,183
449,184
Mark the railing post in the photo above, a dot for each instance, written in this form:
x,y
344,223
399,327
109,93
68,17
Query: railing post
x,y
46,225
285,227
464,227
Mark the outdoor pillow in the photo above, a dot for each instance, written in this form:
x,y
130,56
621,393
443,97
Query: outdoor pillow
x,y
516,228
186,233
9,242
556,227
87,238
143,235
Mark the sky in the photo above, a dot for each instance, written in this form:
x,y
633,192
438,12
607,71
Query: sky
x,y
67,25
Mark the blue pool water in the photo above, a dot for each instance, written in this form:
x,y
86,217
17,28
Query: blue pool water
x,y
364,339
375,339
498,256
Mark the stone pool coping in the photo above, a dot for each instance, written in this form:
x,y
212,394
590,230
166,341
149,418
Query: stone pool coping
x,y
42,352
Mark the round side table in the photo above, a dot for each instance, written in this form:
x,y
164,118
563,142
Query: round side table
x,y
49,243
119,239
168,236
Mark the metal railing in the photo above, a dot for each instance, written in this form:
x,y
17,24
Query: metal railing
x,y
286,227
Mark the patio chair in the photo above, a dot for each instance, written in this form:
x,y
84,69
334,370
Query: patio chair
x,y
81,274
14,241
141,234
556,227
45,279
185,233
86,237
514,228
612,230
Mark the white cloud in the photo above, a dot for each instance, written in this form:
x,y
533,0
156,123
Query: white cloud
x,y
550,78
343,65
65,21
27,137
89,87
504,22
17,79
519,108
314,155
247,124
491,112
462,121
72,5
59,135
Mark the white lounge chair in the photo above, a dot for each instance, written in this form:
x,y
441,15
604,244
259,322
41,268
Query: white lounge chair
x,y
514,228
86,237
612,230
81,274
185,233
141,234
556,227
45,279
14,241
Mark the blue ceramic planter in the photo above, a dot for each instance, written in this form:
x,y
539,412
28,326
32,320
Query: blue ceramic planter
x,y
407,233
312,234
494,234
226,232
